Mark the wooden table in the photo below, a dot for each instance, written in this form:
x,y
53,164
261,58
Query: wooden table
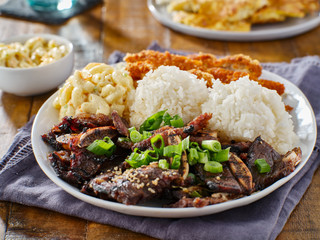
x,y
128,26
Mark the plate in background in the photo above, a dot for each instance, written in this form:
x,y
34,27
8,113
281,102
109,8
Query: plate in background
x,y
288,28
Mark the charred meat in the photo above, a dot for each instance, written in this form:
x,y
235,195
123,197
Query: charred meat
x,y
281,166
138,171
134,186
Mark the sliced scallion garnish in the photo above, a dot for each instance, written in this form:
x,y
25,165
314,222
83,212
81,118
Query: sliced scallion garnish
x,y
221,156
176,161
213,167
135,136
203,157
171,150
193,156
153,122
262,165
155,143
211,145
102,147
176,121
163,164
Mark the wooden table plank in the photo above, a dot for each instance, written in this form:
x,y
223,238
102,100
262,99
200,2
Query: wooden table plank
x,y
131,29
26,222
104,232
4,215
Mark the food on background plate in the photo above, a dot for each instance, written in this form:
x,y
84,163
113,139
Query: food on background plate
x,y
34,52
178,137
236,15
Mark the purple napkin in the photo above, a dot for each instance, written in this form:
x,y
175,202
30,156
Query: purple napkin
x,y
22,181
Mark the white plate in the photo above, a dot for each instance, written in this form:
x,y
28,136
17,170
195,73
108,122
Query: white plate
x,y
305,127
288,28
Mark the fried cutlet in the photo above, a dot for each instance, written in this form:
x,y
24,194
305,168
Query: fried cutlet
x,y
205,66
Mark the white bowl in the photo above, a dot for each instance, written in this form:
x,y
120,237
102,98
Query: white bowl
x,y
41,79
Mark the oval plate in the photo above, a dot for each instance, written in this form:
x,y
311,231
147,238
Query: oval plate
x,y
261,32
305,127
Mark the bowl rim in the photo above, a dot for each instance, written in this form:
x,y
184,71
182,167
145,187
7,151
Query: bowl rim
x,y
47,36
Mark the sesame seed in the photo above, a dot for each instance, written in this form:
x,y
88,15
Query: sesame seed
x,y
151,190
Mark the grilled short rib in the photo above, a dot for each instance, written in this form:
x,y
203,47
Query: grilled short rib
x,y
281,166
133,186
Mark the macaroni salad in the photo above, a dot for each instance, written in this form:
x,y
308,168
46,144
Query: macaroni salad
x,y
34,52
98,88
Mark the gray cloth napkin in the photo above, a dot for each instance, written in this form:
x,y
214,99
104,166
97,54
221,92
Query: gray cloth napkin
x,y
22,181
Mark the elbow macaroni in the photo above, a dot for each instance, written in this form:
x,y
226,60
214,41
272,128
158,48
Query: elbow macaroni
x,y
98,88
34,52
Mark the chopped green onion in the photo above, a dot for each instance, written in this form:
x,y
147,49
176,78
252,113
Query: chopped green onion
x,y
135,136
163,164
195,145
221,156
211,145
193,156
213,167
185,143
102,147
176,162
262,165
153,122
171,150
146,134
123,139
131,129
166,118
195,194
176,121
155,141
203,157
150,155
136,160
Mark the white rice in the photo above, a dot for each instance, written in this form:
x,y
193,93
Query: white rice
x,y
243,110
168,88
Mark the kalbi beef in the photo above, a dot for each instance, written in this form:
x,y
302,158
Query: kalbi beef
x,y
89,136
113,178
134,185
50,138
237,147
235,178
198,123
80,165
241,172
81,122
281,166
77,166
84,139
126,143
202,202
74,125
120,124
219,182
204,135
192,127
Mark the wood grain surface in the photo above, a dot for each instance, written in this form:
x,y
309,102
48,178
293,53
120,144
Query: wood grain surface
x,y
128,26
